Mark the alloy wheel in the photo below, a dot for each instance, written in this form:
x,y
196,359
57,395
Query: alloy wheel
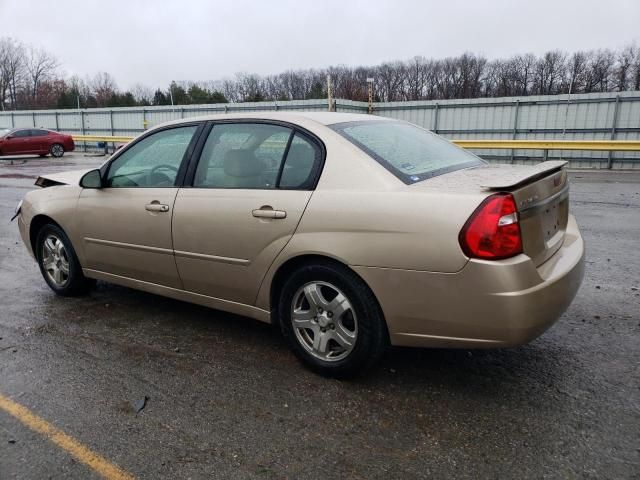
x,y
55,260
57,150
324,321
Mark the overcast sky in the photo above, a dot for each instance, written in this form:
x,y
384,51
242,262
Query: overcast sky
x,y
154,41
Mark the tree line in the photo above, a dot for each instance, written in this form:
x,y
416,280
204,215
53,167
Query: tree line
x,y
31,78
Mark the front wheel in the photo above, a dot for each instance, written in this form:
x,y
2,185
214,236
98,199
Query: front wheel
x,y
56,150
59,264
332,320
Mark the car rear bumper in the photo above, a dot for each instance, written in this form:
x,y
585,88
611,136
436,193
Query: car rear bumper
x,y
486,304
69,145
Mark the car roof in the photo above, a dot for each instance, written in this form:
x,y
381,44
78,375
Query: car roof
x,y
322,118
15,129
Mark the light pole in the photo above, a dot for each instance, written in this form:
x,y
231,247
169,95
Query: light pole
x,y
370,85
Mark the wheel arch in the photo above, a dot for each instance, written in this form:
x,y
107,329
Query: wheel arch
x,y
36,225
298,261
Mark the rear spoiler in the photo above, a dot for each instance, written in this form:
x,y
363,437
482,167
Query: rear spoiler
x,y
504,178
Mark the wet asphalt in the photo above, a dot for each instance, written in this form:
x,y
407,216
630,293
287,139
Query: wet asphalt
x,y
226,399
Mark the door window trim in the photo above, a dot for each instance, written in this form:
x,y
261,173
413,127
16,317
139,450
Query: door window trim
x,y
104,170
312,138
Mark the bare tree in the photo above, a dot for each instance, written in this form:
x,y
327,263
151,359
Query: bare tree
x,y
623,74
550,72
577,68
12,70
29,79
103,86
40,65
634,76
416,73
389,78
142,94
524,67
600,71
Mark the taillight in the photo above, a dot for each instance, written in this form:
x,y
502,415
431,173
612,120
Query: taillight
x,y
493,231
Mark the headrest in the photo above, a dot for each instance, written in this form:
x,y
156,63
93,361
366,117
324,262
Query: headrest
x,y
242,163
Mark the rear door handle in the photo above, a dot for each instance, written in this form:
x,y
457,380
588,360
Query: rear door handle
x,y
267,211
156,206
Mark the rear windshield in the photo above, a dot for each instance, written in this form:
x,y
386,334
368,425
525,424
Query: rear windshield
x,y
411,153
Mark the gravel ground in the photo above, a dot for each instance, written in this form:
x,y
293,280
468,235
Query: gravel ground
x,y
226,398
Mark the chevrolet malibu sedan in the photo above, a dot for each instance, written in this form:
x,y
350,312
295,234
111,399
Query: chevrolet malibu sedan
x,y
34,141
348,232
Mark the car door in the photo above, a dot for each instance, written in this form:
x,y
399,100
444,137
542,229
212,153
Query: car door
x,y
17,143
126,225
38,141
247,194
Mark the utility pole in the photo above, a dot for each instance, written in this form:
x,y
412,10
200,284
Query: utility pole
x,y
370,85
566,113
329,94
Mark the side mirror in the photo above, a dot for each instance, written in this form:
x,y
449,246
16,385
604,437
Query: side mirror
x,y
91,179
8,137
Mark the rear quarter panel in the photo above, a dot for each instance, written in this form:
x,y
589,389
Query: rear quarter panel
x,y
393,229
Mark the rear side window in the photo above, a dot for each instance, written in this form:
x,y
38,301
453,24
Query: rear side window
x,y
409,152
242,155
300,167
39,133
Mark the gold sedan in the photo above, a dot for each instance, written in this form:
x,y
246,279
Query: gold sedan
x,y
350,232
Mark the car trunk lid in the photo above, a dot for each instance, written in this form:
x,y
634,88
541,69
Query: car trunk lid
x,y
543,210
541,193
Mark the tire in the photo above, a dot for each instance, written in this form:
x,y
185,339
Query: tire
x,y
339,328
59,263
56,150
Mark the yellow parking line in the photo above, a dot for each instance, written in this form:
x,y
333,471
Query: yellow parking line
x,y
83,454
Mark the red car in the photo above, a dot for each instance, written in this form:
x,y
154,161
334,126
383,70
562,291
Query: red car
x,y
34,141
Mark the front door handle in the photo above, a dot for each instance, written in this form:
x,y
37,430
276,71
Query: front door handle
x,y
266,211
156,206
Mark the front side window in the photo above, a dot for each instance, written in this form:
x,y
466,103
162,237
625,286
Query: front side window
x,y
242,155
409,152
153,161
21,133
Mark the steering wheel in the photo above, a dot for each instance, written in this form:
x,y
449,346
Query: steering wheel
x,y
155,177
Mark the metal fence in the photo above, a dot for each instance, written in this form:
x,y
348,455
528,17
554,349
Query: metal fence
x,y
598,116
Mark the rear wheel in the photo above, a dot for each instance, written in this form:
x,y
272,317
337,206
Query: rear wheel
x,y
331,320
59,264
56,150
